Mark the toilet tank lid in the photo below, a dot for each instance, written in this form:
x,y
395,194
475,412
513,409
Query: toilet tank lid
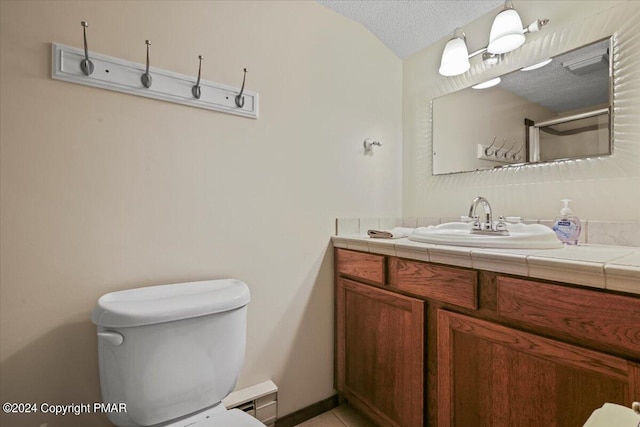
x,y
166,303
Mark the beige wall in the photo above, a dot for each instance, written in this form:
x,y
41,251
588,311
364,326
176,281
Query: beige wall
x,y
595,185
103,191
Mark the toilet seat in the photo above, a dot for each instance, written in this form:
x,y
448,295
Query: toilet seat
x,y
231,418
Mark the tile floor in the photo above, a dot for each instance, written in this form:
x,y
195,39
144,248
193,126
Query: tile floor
x,y
342,416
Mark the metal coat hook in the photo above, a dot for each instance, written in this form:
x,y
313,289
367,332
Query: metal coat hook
x,y
146,78
516,156
369,143
239,97
86,65
506,152
486,150
196,89
497,150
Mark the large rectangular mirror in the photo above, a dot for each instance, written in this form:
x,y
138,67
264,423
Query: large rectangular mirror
x,y
559,110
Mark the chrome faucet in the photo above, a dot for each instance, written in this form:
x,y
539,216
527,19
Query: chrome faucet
x,y
486,226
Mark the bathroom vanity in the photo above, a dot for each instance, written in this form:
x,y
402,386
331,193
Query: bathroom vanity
x,y
423,343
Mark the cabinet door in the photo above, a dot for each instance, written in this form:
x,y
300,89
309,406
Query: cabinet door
x,y
494,376
380,353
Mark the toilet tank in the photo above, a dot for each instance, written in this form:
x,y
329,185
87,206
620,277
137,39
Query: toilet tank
x,y
168,351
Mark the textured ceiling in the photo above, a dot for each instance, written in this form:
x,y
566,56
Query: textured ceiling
x,y
559,90
407,26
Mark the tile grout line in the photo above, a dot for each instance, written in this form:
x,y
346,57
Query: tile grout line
x,y
339,419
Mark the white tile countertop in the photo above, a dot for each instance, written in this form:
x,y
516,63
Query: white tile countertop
x,y
598,266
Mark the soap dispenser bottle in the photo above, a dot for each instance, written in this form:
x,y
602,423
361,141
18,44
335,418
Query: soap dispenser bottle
x,y
567,227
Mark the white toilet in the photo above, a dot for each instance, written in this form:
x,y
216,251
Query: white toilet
x,y
171,353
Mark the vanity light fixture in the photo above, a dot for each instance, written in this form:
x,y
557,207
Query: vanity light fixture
x,y
455,58
538,65
487,84
507,34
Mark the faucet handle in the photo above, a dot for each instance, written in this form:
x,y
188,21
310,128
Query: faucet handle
x,y
501,225
476,223
488,224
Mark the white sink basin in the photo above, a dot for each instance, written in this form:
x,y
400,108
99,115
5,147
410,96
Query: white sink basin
x,y
521,236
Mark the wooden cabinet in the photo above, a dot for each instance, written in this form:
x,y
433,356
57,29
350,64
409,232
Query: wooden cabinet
x,y
611,322
451,285
491,375
366,267
423,344
380,352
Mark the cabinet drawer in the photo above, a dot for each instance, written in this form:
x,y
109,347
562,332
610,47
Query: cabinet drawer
x,y
364,266
596,316
447,284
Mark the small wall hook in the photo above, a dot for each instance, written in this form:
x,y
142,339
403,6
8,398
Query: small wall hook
x,y
516,156
86,65
239,97
486,150
496,152
196,89
505,155
369,143
146,78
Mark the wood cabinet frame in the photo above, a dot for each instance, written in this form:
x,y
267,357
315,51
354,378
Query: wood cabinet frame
x,y
564,325
579,359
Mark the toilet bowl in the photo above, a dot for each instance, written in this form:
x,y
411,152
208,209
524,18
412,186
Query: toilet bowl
x,y
171,353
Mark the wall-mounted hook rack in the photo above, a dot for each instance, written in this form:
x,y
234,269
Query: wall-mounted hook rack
x,y
124,76
501,154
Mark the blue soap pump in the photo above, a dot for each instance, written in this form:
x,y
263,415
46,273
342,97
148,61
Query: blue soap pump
x,y
567,227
